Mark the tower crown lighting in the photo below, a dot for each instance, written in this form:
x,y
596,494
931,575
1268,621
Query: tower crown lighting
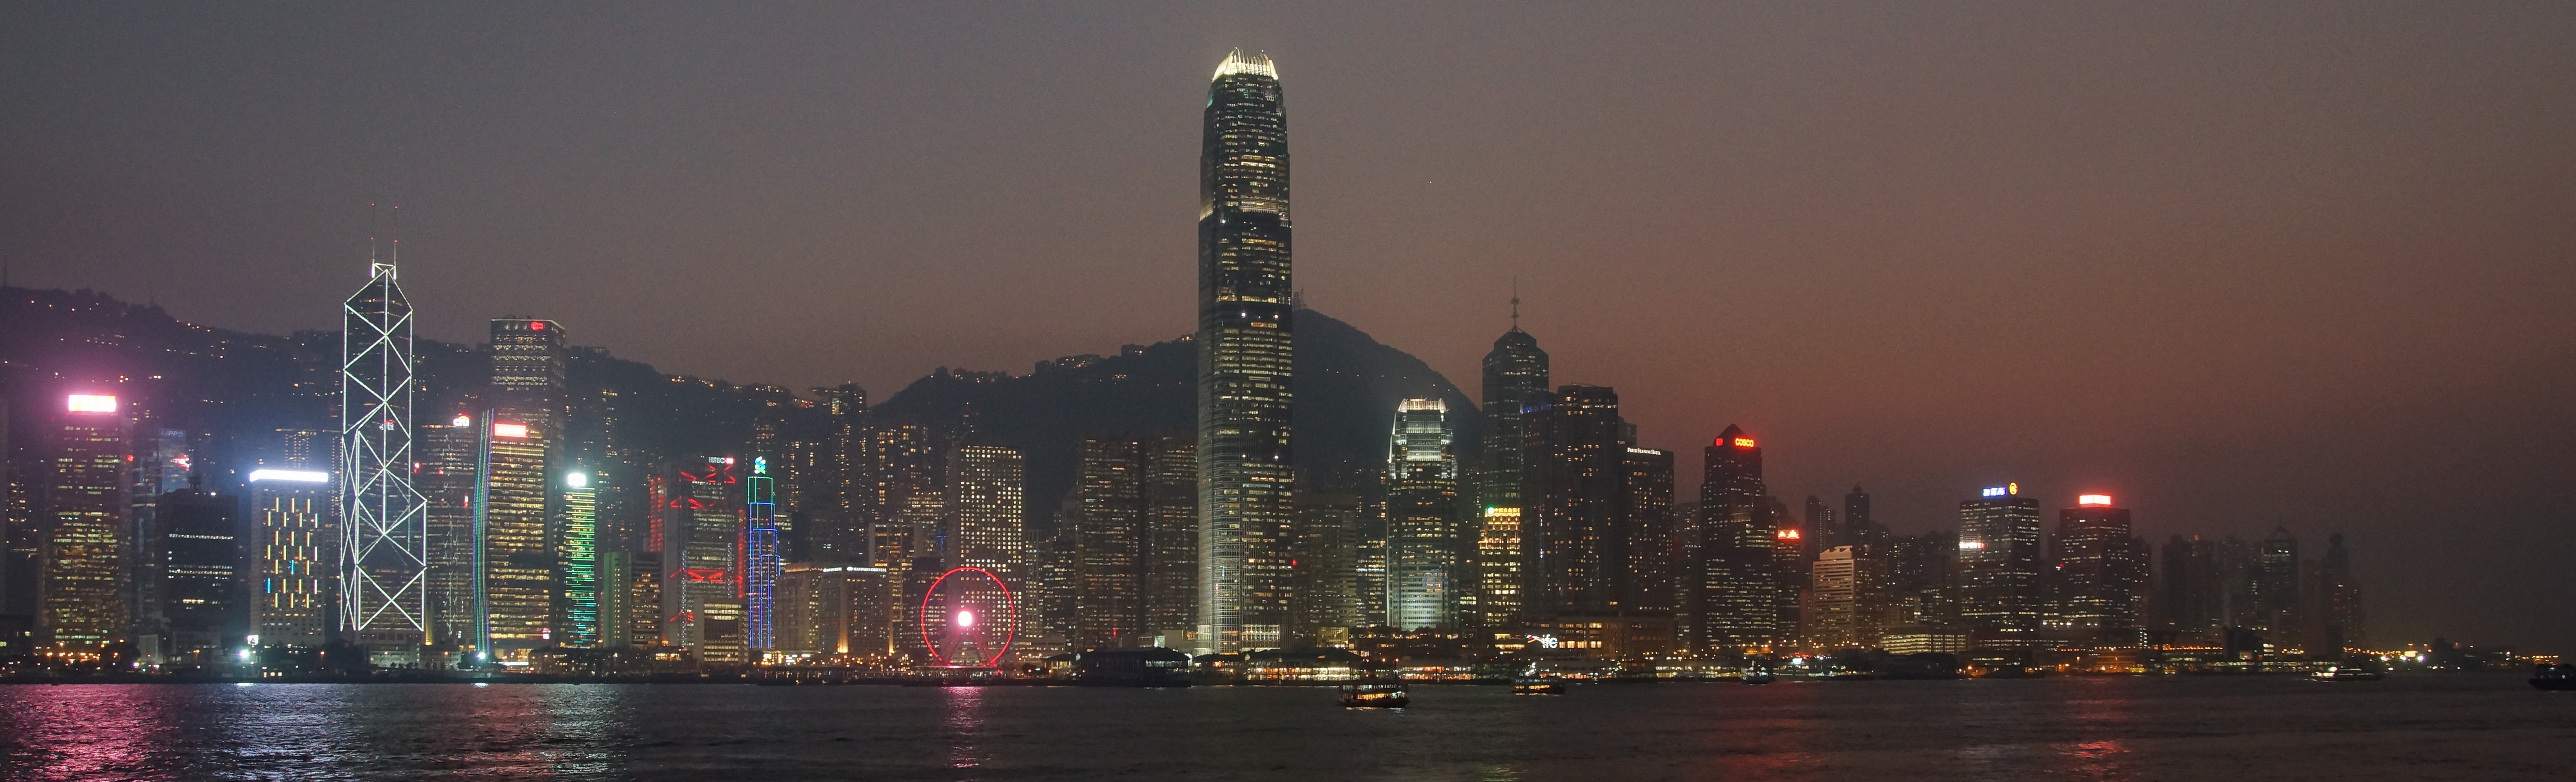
x,y
2093,499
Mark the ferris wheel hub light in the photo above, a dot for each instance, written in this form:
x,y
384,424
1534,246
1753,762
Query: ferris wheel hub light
x,y
965,619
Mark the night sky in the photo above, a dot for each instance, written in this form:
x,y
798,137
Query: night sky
x,y
2239,264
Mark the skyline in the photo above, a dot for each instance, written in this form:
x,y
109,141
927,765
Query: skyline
x,y
2202,442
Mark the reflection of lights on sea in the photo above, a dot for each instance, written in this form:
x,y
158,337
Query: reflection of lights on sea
x,y
965,619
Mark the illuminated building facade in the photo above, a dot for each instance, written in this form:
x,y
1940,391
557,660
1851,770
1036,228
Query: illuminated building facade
x,y
760,554
576,622
2100,575
204,597
1327,556
1648,483
1171,551
1423,578
295,541
701,525
1833,600
904,493
1573,535
1245,345
836,611
1107,527
1730,593
514,567
2000,595
384,573
982,521
1498,569
1515,383
88,538
451,458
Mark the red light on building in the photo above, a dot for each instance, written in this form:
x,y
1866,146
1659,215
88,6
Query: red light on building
x,y
2093,499
536,325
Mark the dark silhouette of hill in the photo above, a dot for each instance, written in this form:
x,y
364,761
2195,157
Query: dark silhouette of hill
x,y
1347,387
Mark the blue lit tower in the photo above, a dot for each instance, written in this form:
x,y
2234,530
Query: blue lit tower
x,y
1244,359
760,565
384,544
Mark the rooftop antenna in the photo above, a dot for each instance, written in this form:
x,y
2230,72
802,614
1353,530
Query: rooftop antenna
x,y
371,235
395,256
1516,302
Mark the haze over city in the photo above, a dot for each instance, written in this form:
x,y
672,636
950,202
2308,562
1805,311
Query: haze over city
x,y
2240,267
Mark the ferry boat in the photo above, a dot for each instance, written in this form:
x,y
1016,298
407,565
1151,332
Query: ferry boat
x,y
2554,676
1375,695
2352,669
1537,685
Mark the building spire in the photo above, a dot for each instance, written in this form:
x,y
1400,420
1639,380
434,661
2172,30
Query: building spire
x,y
1516,302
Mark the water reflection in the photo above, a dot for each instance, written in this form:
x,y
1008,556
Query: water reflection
x,y
965,726
91,731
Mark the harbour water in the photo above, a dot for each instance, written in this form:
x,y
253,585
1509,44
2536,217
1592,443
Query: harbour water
x,y
2412,727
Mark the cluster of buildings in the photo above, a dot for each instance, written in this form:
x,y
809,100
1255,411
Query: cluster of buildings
x,y
515,522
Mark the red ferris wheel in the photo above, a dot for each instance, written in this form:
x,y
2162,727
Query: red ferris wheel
x,y
969,619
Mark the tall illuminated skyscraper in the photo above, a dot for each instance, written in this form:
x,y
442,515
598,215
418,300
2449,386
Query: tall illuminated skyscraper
x,y
2000,567
1244,340
700,527
384,545
450,472
1730,593
576,543
1515,382
514,571
1107,518
89,539
981,526
1423,581
760,555
1171,550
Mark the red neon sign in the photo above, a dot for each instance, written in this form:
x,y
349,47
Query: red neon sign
x,y
1010,630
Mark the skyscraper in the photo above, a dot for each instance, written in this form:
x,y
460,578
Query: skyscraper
x,y
1516,377
761,557
202,587
982,525
2276,587
88,538
1245,342
1328,559
2000,567
296,537
701,527
1421,519
1648,485
1171,549
2101,574
514,570
1108,520
448,478
1731,602
384,586
2337,622
576,620
1498,569
1572,530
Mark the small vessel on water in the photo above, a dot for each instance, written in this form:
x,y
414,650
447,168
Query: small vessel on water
x,y
2355,668
1760,675
2554,676
1375,695
1537,685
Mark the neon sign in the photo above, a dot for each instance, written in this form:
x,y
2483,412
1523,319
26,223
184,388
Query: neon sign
x,y
2093,499
91,403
